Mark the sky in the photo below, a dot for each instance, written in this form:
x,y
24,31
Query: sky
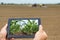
x,y
31,1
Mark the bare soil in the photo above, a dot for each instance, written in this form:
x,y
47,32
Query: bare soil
x,y
50,17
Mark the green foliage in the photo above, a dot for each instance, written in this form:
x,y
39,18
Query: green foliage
x,y
30,27
2,3
14,28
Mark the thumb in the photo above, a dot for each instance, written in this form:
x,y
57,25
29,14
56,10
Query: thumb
x,y
3,31
40,28
4,28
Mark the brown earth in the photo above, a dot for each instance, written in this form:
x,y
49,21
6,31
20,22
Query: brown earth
x,y
50,17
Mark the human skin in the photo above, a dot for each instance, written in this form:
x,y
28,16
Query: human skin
x,y
3,33
40,35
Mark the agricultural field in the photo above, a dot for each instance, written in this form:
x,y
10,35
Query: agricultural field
x,y
50,17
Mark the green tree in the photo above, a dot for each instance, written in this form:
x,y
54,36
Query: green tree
x,y
2,3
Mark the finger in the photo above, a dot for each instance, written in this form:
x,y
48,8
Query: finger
x,y
3,31
4,28
40,28
12,39
3,39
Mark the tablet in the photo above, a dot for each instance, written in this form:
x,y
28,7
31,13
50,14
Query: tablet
x,y
22,27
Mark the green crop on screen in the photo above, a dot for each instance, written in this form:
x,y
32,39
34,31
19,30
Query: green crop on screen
x,y
29,28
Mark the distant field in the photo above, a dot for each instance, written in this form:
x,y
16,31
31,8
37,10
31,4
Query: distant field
x,y
50,17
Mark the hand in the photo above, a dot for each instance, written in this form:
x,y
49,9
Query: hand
x,y
3,33
41,34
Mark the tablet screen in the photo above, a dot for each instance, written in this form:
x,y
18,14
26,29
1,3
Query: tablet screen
x,y
25,26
